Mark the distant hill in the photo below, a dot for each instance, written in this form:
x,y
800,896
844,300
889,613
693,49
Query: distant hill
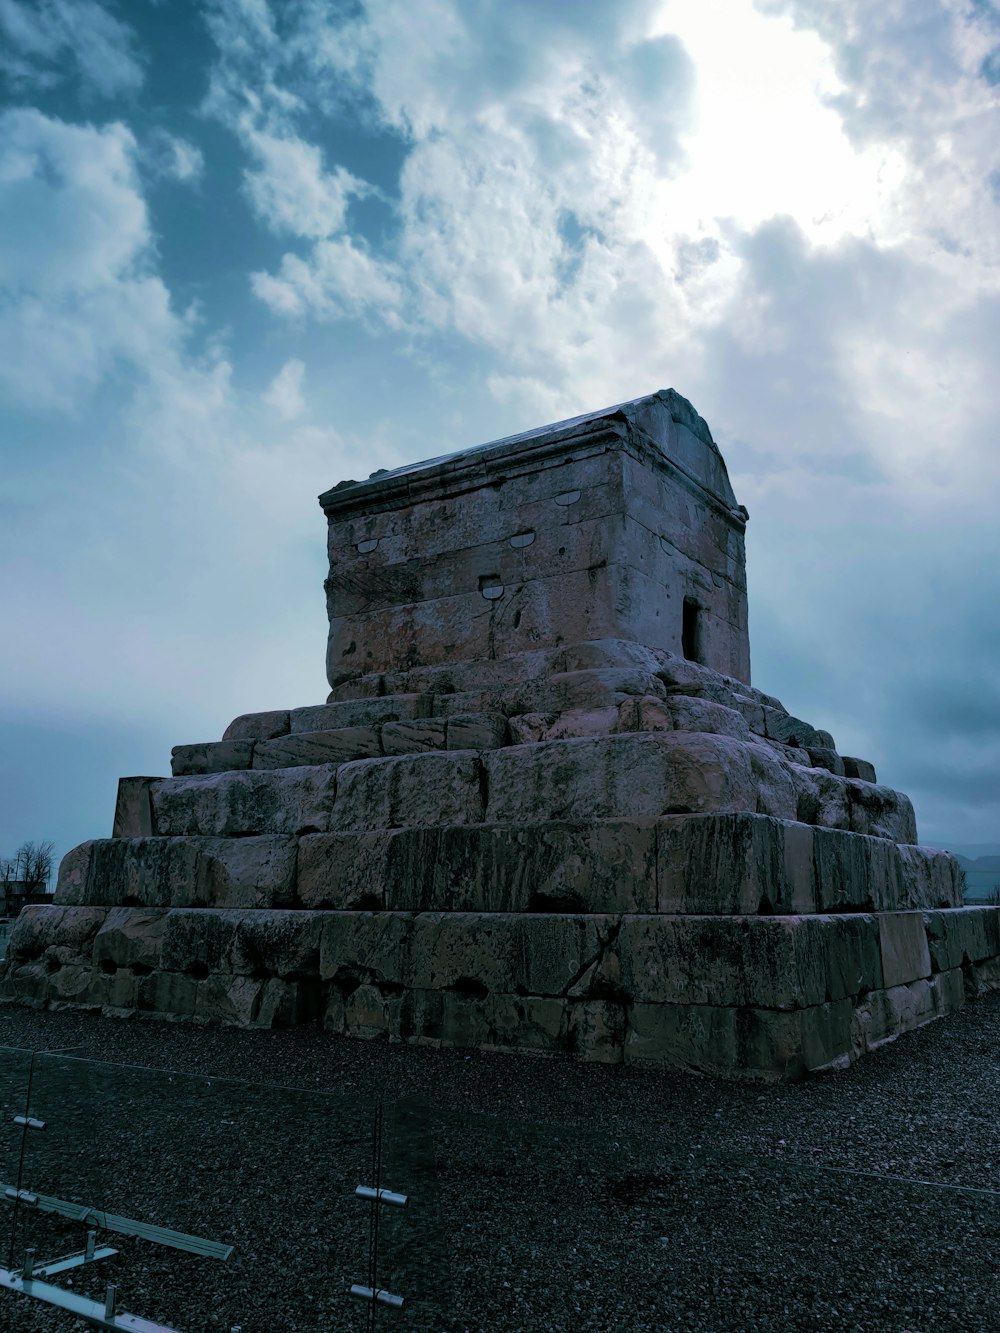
x,y
982,875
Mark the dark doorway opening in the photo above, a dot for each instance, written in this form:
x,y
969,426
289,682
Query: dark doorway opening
x,y
691,631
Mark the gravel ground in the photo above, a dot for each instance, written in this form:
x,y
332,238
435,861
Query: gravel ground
x,y
545,1195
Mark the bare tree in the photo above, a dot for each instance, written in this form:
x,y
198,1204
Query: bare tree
x,y
32,865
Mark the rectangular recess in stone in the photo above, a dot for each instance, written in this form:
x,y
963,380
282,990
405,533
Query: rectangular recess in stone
x,y
409,789
361,712
210,757
304,748
288,800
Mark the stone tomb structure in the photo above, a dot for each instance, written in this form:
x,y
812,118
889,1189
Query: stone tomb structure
x,y
542,808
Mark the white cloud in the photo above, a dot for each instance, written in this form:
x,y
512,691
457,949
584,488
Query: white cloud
x,y
76,262
44,36
284,393
290,190
167,156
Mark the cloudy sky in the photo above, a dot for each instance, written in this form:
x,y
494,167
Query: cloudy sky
x,y
247,250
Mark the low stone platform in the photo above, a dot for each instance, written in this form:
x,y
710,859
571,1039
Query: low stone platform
x,y
496,834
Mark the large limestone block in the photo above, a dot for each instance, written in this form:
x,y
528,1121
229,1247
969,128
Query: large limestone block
x,y
854,872
74,872
583,866
133,812
765,1044
539,954
563,539
962,935
253,943
306,748
771,962
476,731
409,789
173,993
829,801
81,986
257,726
584,690
850,945
533,497
886,1014
40,927
470,953
881,812
494,620
362,712
690,714
782,726
702,1038
774,787
210,757
928,878
608,776
182,872
237,1001
278,944
131,937
414,737
739,864
822,798
905,955
466,677
290,800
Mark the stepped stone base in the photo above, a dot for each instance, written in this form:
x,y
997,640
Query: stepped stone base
x,y
542,808
760,996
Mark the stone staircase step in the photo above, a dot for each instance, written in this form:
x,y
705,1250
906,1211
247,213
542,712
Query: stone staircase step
x,y
341,745
676,864
770,996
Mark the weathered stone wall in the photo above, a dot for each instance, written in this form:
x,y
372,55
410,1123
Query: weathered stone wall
x,y
581,531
